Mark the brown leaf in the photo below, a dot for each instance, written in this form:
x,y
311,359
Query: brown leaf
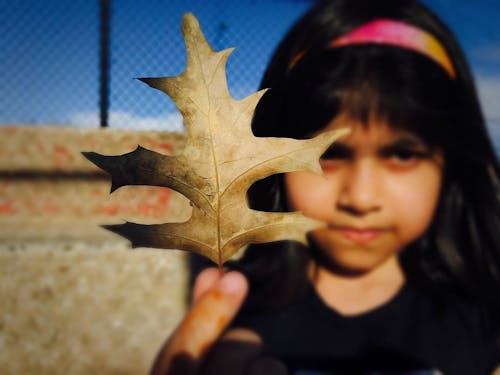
x,y
220,161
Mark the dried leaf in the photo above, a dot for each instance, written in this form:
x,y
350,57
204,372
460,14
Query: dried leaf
x,y
220,161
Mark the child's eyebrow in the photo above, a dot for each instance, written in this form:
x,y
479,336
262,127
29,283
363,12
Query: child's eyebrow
x,y
407,142
412,143
338,149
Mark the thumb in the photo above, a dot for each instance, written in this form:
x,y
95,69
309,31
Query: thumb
x,y
205,280
202,326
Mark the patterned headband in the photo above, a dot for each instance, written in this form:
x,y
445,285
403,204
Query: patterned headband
x,y
394,33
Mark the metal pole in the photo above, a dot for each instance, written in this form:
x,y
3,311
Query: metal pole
x,y
104,62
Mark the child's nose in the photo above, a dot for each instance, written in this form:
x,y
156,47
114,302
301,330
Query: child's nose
x,y
358,192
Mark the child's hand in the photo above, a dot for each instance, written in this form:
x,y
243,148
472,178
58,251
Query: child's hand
x,y
198,346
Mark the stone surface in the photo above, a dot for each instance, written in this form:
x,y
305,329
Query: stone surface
x,y
58,149
81,308
76,299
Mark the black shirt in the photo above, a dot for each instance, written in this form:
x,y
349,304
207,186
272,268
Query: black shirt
x,y
411,334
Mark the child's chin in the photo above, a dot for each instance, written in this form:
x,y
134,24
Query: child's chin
x,y
349,266
352,263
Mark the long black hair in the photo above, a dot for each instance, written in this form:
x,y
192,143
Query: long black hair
x,y
460,251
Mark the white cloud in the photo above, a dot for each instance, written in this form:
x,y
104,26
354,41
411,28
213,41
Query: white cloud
x,y
488,87
487,53
489,94
126,120
84,119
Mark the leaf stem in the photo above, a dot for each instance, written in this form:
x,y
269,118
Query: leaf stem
x,y
221,270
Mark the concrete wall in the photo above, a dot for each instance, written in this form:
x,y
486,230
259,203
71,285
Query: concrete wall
x,y
76,299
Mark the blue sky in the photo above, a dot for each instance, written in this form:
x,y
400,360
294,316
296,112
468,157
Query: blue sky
x,y
49,54
477,27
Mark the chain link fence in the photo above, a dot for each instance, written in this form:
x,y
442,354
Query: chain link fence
x,y
48,63
51,56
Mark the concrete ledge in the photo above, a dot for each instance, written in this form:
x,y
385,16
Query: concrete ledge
x,y
76,299
71,308
44,180
58,149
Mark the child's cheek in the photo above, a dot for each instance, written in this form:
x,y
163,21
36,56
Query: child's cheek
x,y
309,193
415,200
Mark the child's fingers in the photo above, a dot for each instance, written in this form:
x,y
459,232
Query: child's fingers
x,y
202,326
237,353
206,279
233,353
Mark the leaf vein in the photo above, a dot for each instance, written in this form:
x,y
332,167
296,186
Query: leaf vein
x,y
255,166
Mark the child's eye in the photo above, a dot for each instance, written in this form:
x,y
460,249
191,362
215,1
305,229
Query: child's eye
x,y
404,156
333,156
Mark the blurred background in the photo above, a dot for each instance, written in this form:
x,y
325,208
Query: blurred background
x,y
52,51
73,63
76,299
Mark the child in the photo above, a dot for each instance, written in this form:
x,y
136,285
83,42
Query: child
x,y
405,276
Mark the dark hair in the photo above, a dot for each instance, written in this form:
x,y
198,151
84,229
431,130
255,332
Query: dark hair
x,y
460,250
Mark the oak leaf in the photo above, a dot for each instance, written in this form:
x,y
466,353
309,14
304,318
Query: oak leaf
x,y
220,161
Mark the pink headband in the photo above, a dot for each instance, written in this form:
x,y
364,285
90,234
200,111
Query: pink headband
x,y
395,33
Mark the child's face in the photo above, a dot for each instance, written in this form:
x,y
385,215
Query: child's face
x,y
379,193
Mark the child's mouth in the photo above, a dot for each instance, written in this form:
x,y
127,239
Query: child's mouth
x,y
359,235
